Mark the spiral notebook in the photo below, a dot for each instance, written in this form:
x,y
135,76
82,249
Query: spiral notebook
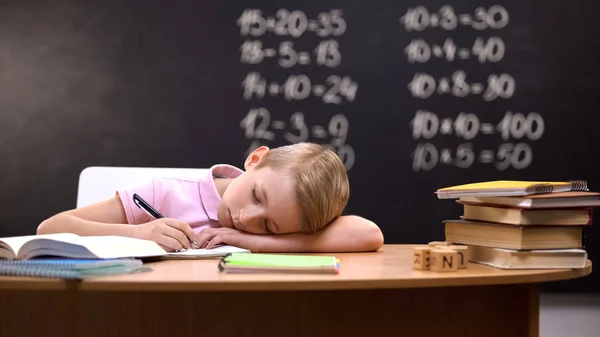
x,y
73,269
510,188
279,263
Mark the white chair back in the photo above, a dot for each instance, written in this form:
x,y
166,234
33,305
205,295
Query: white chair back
x,y
97,183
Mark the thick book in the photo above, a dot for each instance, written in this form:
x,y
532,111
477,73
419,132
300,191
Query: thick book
x,y
528,259
279,263
517,237
521,216
510,188
68,245
576,199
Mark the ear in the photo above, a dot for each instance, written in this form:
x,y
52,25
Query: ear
x,y
255,157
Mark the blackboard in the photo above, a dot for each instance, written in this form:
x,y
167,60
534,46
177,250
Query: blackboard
x,y
413,96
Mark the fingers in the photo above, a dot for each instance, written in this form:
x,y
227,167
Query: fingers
x,y
211,237
168,243
214,241
183,227
201,240
189,232
204,237
182,240
165,248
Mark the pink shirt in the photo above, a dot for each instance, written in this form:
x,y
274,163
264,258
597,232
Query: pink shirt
x,y
193,200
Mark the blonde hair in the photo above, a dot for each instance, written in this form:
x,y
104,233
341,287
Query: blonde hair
x,y
320,179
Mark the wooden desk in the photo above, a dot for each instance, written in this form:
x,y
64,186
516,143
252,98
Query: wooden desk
x,y
375,294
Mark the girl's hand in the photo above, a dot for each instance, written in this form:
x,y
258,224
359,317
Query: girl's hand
x,y
170,234
210,237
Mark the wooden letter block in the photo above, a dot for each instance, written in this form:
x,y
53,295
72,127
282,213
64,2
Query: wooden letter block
x,y
435,244
463,255
443,260
421,258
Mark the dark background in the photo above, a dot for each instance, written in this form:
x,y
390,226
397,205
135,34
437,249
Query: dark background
x,y
159,83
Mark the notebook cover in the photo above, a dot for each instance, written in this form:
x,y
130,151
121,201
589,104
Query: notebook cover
x,y
275,260
500,184
279,263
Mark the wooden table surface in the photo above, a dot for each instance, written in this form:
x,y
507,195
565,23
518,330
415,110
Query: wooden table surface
x,y
390,267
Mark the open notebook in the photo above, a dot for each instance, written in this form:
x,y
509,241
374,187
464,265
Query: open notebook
x,y
67,245
201,253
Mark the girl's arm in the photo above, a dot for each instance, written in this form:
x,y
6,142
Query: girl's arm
x,y
348,233
108,218
103,218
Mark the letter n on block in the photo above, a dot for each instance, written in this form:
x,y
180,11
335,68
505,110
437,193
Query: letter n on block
x,y
443,260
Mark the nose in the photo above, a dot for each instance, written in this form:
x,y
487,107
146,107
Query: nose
x,y
251,219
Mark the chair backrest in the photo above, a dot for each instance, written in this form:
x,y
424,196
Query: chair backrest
x,y
97,183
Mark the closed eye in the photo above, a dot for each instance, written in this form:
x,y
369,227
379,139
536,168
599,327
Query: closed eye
x,y
254,194
266,226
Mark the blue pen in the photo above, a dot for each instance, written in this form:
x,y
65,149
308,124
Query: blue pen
x,y
143,205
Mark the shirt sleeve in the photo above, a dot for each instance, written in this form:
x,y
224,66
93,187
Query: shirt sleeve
x,y
134,214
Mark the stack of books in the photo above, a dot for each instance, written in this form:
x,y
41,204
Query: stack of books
x,y
522,224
